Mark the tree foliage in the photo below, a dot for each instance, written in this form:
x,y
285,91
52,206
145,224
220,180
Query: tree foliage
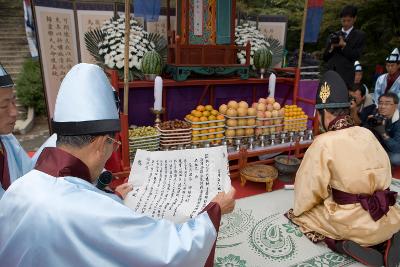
x,y
379,19
29,86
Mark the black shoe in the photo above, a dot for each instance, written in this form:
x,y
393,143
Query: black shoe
x,y
392,253
364,255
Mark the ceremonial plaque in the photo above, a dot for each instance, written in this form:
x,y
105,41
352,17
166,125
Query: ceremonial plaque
x,y
177,185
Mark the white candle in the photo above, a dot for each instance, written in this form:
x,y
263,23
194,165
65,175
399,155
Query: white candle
x,y
158,93
271,85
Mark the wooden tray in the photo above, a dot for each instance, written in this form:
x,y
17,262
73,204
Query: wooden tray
x,y
259,173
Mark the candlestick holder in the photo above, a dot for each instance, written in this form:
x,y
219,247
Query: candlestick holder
x,y
158,114
272,139
251,143
237,144
262,140
301,136
310,135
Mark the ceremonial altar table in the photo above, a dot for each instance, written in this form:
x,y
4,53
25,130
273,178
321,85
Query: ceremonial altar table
x,y
179,98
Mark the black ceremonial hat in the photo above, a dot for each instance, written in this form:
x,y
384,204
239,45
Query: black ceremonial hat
x,y
5,78
332,92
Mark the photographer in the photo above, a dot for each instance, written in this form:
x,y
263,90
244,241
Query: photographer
x,y
345,47
361,105
386,125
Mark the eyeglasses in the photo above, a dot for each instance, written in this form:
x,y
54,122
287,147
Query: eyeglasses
x,y
387,104
115,143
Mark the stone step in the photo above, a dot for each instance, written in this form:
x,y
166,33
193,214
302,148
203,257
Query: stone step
x,y
12,35
20,51
14,61
13,57
12,30
6,43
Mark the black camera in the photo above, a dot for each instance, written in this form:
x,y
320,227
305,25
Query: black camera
x,y
334,37
376,120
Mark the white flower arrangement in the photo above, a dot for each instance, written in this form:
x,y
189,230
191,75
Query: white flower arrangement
x,y
112,49
244,33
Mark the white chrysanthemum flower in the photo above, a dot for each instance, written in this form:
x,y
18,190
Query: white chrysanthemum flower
x,y
242,61
111,64
120,64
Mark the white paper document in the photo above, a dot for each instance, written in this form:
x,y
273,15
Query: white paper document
x,y
177,185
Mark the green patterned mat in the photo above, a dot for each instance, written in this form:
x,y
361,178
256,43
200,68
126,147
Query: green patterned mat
x,y
257,234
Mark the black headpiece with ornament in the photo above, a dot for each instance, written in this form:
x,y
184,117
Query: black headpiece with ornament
x,y
5,78
332,92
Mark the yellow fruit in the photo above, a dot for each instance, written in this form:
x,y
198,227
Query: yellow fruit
x,y
243,104
221,123
193,112
204,137
195,138
211,136
249,131
196,126
211,130
220,129
200,108
223,108
197,114
220,135
239,132
206,113
233,104
230,133
212,118
220,117
232,123
214,112
212,124
242,122
242,112
251,122
204,131
195,132
251,111
208,107
231,112
203,119
195,119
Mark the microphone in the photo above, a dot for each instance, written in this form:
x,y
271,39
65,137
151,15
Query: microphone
x,y
104,179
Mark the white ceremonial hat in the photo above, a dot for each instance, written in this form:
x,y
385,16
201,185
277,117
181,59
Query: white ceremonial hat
x,y
5,78
357,66
85,103
394,57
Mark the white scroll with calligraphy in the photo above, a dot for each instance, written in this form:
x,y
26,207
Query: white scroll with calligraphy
x,y
58,48
177,185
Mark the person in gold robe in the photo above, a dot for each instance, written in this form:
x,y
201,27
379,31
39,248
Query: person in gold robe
x,y
342,194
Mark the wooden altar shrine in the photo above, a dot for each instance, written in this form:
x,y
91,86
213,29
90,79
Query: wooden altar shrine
x,y
204,43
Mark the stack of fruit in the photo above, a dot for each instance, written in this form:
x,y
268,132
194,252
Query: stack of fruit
x,y
269,116
295,118
175,133
241,120
145,137
207,124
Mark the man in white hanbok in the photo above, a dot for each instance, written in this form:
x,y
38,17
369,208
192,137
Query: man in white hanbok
x,y
390,81
54,216
14,162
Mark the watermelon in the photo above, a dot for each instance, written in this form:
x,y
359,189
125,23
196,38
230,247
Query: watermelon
x,y
152,63
262,58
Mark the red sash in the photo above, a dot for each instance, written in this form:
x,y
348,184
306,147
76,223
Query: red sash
x,y
4,172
